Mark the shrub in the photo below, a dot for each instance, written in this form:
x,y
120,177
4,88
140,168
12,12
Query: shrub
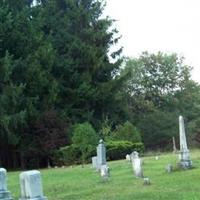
x,y
85,139
67,155
71,155
118,149
114,150
127,132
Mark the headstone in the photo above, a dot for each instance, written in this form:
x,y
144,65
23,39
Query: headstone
x,y
137,164
146,181
31,186
105,172
4,193
156,158
128,157
101,154
134,155
174,145
185,161
169,168
94,162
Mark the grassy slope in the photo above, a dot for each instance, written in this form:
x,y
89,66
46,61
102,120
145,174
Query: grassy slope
x,y
85,184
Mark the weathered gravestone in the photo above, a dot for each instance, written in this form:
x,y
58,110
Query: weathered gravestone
x,y
4,193
31,186
174,145
146,181
169,168
128,157
185,161
101,154
94,162
137,164
105,172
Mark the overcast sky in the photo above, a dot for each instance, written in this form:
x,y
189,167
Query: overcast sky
x,y
159,25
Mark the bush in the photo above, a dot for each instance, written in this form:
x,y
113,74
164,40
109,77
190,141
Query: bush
x,y
115,150
118,149
71,155
85,139
127,132
67,155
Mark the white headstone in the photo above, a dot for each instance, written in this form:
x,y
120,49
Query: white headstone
x,y
4,193
94,162
128,157
3,181
31,186
174,145
134,155
156,158
105,171
169,168
137,164
185,161
146,181
101,154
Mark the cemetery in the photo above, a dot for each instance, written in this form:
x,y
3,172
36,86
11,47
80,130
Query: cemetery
x,y
151,177
85,183
92,111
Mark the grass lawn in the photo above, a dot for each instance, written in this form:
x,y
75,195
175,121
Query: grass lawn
x,y
76,183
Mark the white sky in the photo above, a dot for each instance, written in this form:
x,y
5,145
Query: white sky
x,y
159,25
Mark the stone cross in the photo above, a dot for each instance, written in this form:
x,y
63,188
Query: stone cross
x,y
101,154
137,164
185,161
4,193
31,186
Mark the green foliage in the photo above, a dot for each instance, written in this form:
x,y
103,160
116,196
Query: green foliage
x,y
85,138
158,128
67,156
127,132
53,56
116,150
159,89
106,129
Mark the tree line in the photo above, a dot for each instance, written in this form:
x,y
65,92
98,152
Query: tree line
x,y
56,72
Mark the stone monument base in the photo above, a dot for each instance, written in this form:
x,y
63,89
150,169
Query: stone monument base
x,y
185,164
5,195
37,198
185,161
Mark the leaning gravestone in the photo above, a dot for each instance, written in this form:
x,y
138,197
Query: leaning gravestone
x,y
31,186
101,154
137,164
185,161
4,193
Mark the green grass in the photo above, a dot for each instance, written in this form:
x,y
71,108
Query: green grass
x,y
85,184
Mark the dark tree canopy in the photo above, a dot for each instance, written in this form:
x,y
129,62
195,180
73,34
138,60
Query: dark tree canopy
x,y
53,57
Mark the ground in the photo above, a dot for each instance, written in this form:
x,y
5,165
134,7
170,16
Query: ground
x,y
77,183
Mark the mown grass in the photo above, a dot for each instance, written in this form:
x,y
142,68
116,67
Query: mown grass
x,y
77,183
